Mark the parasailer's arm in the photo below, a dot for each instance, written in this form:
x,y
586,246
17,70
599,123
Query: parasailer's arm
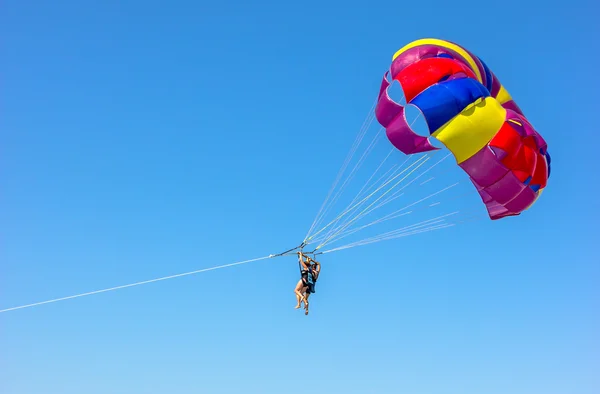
x,y
301,260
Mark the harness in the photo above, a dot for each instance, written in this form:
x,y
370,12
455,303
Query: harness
x,y
308,273
308,277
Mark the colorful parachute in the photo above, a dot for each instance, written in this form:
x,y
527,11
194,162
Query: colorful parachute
x,y
473,115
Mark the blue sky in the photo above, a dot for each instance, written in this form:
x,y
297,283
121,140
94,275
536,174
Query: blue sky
x,y
143,139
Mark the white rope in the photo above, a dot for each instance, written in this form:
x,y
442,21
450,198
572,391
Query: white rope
x,y
353,245
395,168
334,225
367,183
390,216
322,213
361,214
357,141
412,229
422,158
402,232
393,214
366,210
134,284
405,228
348,179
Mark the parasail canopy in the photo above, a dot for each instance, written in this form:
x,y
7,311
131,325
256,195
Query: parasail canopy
x,y
472,114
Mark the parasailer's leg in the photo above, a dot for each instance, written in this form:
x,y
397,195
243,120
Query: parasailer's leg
x,y
299,290
306,295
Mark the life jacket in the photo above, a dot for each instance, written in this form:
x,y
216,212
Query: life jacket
x,y
309,274
310,277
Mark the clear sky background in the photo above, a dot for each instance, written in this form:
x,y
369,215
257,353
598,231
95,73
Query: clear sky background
x,y
142,139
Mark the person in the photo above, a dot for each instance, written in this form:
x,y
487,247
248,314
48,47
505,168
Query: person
x,y
300,289
309,272
313,275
